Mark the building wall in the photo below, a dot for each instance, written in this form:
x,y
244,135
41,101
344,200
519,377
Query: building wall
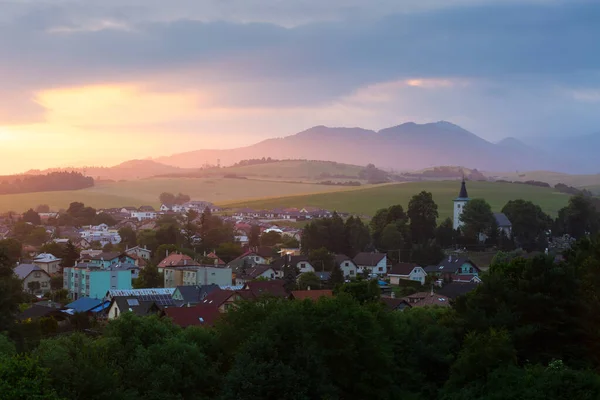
x,y
51,268
212,275
349,269
37,276
459,205
173,277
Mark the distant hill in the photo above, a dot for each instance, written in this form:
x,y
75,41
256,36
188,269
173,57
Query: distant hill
x,y
405,147
134,169
578,150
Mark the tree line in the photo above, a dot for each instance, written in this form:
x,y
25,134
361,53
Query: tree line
x,y
530,330
46,183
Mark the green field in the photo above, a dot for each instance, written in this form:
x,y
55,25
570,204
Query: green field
x,y
146,192
366,201
549,177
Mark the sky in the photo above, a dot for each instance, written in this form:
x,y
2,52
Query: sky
x,y
97,82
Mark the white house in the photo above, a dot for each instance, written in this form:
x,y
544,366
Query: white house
x,y
406,271
300,262
347,266
143,215
253,273
141,252
459,204
374,263
48,262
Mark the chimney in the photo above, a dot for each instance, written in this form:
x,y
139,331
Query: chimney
x,y
167,254
308,288
450,258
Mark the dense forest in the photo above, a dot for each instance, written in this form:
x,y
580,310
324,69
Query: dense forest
x,y
45,183
529,331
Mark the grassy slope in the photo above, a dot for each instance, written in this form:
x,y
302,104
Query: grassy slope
x,y
550,177
290,170
368,200
142,192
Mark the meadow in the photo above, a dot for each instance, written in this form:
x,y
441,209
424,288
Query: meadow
x,y
367,200
146,192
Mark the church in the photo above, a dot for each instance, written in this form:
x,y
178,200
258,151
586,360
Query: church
x,y
461,201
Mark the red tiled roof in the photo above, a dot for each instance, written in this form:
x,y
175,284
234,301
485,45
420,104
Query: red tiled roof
x,y
311,294
176,260
217,297
273,288
423,299
214,256
199,315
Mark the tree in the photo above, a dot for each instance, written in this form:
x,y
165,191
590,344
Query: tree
x,y
33,286
37,236
336,277
321,259
147,238
529,223
423,213
308,280
11,292
383,218
32,217
391,238
254,236
444,233
363,291
477,218
42,208
69,256
270,238
128,236
12,249
579,218
56,282
189,227
104,218
108,248
357,236
149,278
167,198
22,378
229,251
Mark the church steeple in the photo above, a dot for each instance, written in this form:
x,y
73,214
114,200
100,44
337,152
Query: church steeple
x,y
463,190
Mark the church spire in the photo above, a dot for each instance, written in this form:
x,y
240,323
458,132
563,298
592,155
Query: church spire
x,y
463,190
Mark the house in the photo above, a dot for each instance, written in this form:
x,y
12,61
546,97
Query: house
x,y
423,299
108,259
310,294
85,280
206,275
406,271
255,272
84,304
248,258
35,280
374,263
394,304
223,300
48,262
214,259
127,210
125,304
199,315
256,289
455,289
146,208
143,215
504,224
453,266
38,311
193,294
163,297
176,260
324,276
301,264
348,267
141,252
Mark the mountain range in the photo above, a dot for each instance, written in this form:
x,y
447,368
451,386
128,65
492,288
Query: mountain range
x,y
408,146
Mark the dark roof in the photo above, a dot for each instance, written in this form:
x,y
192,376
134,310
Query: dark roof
x,y
135,305
199,315
293,260
37,311
264,251
310,294
394,304
340,258
195,294
370,259
146,208
323,275
23,270
450,265
107,256
217,297
423,299
454,289
502,220
402,269
84,304
273,288
463,191
254,271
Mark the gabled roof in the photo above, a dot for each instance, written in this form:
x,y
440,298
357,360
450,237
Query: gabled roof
x,y
254,272
274,287
107,256
135,305
46,258
194,294
450,264
423,299
369,259
177,260
213,256
23,270
463,195
502,220
454,289
217,297
37,311
323,275
393,304
199,315
84,304
310,294
292,260
402,269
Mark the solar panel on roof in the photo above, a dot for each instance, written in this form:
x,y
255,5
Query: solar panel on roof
x,y
133,302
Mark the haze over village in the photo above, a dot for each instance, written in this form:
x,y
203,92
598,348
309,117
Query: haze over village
x,y
241,200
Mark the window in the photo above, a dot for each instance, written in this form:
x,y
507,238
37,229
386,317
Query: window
x,y
351,272
213,274
44,284
37,274
471,270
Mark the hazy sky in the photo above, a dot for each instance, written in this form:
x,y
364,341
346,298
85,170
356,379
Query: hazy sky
x,y
102,81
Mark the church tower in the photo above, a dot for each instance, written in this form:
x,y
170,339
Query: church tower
x,y
459,204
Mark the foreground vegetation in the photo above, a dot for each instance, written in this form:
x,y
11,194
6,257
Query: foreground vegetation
x,y
367,201
529,331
